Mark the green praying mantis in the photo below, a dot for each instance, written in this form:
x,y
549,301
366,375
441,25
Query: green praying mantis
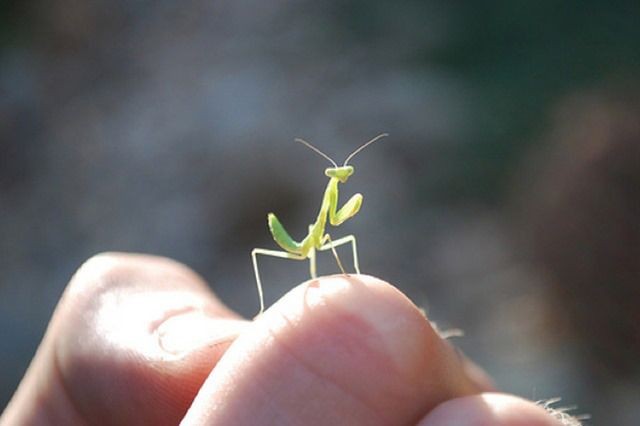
x,y
317,239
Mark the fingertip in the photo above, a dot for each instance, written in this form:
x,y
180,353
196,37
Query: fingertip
x,y
353,346
404,328
494,409
401,329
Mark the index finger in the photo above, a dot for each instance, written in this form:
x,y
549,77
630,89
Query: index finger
x,y
334,350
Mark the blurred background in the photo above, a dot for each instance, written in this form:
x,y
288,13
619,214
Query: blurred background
x,y
506,201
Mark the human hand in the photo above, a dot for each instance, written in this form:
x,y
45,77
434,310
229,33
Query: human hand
x,y
138,339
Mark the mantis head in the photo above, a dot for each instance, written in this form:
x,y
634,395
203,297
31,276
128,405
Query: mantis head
x,y
340,173
343,172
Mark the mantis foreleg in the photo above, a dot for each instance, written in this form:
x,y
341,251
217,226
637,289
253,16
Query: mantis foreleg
x,y
349,209
281,236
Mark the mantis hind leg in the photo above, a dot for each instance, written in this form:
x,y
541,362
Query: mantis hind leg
x,y
340,241
273,253
331,245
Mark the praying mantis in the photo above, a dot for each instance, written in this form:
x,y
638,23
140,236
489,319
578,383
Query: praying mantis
x,y
317,239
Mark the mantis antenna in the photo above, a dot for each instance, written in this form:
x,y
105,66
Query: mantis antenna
x,y
363,146
302,141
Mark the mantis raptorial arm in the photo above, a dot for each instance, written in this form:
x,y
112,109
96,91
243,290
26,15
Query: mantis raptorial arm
x,y
348,210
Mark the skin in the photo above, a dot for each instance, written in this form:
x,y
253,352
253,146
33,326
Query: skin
x,y
142,340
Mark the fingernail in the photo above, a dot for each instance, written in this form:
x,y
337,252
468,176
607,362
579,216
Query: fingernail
x,y
192,330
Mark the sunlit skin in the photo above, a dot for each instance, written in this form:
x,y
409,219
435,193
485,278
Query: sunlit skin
x,y
317,239
142,340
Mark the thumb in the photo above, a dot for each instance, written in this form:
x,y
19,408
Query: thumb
x,y
131,341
